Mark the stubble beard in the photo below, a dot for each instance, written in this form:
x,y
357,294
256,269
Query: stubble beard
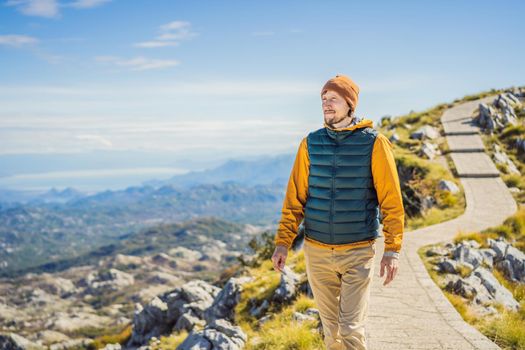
x,y
332,124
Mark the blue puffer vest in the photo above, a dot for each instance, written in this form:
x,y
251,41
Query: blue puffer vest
x,y
342,204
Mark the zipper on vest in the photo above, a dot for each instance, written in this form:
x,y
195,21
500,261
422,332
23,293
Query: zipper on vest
x,y
332,198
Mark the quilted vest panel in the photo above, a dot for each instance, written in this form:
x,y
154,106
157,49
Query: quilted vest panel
x,y
342,205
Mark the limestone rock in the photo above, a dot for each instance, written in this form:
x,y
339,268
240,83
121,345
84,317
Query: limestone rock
x,y
257,311
59,286
223,306
150,321
425,131
509,259
488,256
187,321
448,266
497,290
446,185
264,319
520,144
437,251
219,334
501,157
429,150
12,341
394,138
300,317
50,337
464,253
500,114
106,280
70,322
163,312
304,287
82,343
185,253
488,118
159,277
164,259
287,289
483,288
115,346
121,261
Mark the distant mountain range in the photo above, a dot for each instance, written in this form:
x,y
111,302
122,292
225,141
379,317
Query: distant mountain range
x,y
65,224
263,171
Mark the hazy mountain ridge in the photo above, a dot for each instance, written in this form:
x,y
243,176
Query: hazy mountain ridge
x,y
261,170
265,170
63,228
36,234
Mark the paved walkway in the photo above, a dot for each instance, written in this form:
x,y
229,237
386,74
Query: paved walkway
x,y
412,312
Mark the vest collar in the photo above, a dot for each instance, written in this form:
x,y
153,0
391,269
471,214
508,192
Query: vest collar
x,y
361,123
341,133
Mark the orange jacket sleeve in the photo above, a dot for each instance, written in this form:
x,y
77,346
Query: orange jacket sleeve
x,y
386,183
295,199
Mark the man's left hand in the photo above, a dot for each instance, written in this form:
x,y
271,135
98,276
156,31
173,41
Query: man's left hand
x,y
391,264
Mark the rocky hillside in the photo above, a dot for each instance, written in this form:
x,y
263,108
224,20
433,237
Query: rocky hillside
x,y
241,310
78,303
205,234
186,286
431,192
503,132
483,273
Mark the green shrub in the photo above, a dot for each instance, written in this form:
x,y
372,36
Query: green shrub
x,y
512,130
469,236
508,331
513,180
121,337
446,199
502,168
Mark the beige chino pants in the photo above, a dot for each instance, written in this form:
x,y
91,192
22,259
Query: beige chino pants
x,y
340,282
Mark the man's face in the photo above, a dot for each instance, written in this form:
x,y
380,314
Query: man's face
x,y
335,108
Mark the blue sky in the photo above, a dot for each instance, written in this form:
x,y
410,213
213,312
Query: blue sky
x,y
234,78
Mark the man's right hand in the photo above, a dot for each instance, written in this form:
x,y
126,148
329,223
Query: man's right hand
x,y
279,257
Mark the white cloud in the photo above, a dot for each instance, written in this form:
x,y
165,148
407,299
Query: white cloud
x,y
175,25
24,41
138,63
73,134
241,88
40,8
17,40
142,63
85,4
51,8
171,34
150,44
97,139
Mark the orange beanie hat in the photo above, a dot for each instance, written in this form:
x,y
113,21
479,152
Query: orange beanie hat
x,y
345,87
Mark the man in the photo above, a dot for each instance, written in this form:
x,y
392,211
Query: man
x,y
343,177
